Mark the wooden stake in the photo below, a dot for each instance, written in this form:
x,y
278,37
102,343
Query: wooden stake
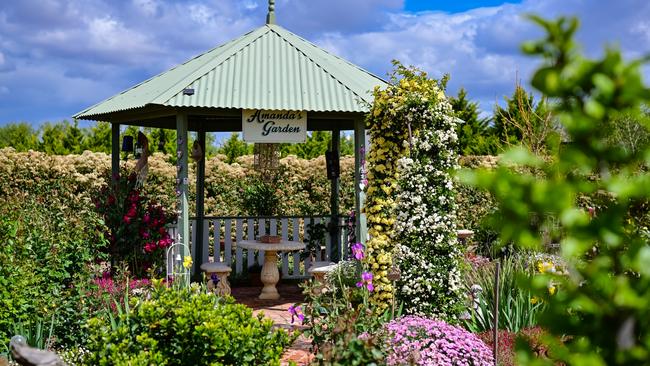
x,y
495,327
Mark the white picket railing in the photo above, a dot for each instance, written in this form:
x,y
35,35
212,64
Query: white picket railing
x,y
220,235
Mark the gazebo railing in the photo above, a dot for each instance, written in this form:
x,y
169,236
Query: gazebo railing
x,y
220,233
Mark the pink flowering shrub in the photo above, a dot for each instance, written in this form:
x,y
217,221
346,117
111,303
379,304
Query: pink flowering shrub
x,y
110,290
415,340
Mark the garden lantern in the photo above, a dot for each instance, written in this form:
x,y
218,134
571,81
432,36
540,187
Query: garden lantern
x,y
162,142
127,144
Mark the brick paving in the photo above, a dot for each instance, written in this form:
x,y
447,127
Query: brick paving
x,y
277,310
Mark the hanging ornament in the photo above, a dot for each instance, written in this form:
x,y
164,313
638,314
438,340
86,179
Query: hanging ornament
x,y
197,152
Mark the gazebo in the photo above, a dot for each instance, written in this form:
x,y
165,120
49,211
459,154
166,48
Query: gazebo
x,y
268,70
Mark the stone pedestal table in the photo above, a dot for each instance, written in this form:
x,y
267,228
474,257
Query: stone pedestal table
x,y
270,274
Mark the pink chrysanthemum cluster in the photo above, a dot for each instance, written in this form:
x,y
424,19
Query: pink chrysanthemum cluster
x,y
415,340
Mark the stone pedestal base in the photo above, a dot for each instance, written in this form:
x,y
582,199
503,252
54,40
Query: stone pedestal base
x,y
222,287
270,276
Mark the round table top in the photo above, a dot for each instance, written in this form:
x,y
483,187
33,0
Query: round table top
x,y
283,245
463,233
215,267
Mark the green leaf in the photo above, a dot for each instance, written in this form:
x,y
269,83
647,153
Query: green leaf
x,y
547,80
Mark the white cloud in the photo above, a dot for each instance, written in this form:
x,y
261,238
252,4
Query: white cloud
x,y
481,48
200,13
109,35
5,64
72,53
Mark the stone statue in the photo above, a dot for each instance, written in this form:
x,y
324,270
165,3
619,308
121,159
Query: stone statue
x,y
28,356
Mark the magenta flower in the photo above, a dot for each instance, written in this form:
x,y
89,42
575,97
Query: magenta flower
x,y
366,281
296,311
149,247
357,251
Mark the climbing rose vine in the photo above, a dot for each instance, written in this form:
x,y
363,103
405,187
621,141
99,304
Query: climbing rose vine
x,y
397,115
429,254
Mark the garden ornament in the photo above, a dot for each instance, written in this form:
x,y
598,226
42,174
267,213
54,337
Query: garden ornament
x,y
28,356
197,152
142,166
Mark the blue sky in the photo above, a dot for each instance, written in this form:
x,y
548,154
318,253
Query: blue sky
x,y
59,56
451,6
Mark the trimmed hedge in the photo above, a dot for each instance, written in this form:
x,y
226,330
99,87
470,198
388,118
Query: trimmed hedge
x,y
304,184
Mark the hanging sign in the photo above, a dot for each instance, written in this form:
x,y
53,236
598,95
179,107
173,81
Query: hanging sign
x,y
261,125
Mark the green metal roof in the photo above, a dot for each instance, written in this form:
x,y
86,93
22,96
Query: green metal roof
x,y
268,68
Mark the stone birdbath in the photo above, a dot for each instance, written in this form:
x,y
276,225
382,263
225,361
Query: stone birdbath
x,y
270,275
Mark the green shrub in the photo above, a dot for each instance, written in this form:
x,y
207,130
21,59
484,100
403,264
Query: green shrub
x,y
601,310
185,327
47,245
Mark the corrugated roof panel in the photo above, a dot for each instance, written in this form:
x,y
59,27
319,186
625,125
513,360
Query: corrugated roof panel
x,y
268,68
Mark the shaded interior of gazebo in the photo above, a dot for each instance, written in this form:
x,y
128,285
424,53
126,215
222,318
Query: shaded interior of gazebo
x,y
269,69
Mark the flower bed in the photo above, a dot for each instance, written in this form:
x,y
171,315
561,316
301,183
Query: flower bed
x,y
415,340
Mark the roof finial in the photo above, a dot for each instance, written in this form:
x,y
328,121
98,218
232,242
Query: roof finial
x,y
270,17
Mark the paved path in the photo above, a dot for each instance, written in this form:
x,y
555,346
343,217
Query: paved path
x,y
277,310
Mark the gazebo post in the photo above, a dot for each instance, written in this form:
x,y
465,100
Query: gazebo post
x,y
200,208
115,151
335,249
359,195
182,180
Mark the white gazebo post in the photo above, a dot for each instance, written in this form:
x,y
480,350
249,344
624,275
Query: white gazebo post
x,y
182,182
360,154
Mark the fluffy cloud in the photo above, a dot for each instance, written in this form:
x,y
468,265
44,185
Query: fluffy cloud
x,y
480,48
59,56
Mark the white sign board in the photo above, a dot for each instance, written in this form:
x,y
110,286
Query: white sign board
x,y
260,125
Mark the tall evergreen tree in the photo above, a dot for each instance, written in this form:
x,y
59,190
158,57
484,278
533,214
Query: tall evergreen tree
x,y
98,138
526,122
21,136
52,138
233,148
475,137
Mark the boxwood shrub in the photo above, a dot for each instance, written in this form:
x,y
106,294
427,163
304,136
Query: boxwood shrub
x,y
185,327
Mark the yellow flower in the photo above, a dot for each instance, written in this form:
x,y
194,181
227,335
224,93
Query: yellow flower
x,y
551,290
542,267
534,300
187,262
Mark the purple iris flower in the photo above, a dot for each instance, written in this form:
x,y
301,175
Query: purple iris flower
x,y
357,251
366,281
296,312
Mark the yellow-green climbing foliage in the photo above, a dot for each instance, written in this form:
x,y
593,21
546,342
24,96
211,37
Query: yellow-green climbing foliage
x,y
388,123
